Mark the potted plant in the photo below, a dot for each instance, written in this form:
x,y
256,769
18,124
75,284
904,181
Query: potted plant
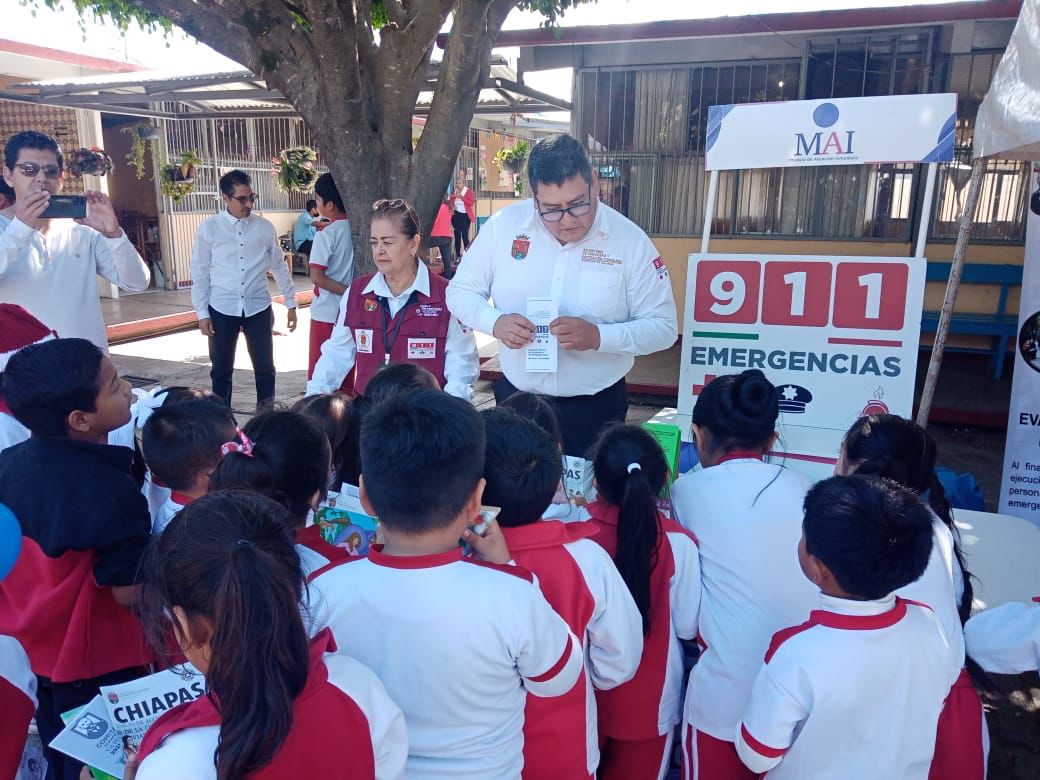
x,y
93,161
296,169
173,184
512,157
189,159
139,133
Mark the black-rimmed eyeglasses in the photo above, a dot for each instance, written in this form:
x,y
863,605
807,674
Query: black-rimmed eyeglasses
x,y
578,210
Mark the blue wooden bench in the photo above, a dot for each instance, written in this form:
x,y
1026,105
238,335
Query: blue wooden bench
x,y
999,325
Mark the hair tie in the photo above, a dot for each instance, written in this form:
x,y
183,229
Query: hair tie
x,y
634,467
243,445
243,544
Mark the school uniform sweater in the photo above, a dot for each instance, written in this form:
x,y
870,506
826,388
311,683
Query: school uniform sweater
x,y
459,644
650,704
343,726
1006,639
747,517
854,692
581,583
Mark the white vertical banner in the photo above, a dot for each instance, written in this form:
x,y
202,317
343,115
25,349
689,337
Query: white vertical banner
x,y
1020,483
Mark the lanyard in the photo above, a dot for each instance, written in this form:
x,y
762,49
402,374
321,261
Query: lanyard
x,y
388,343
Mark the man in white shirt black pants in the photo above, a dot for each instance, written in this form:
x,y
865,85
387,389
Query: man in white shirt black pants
x,y
233,252
601,271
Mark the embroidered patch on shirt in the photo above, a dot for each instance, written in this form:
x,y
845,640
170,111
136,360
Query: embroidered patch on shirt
x,y
661,268
590,255
370,304
364,341
422,349
521,246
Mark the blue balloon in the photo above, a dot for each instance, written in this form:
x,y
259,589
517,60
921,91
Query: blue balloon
x,y
10,540
825,115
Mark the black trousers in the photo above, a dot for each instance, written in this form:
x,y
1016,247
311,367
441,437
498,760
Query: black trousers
x,y
581,417
259,342
56,698
443,243
460,224
305,248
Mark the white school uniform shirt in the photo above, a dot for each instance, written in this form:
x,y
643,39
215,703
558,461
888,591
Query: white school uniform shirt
x,y
1005,639
461,357
747,517
854,693
188,754
54,276
936,587
333,250
16,673
229,266
12,432
165,514
458,644
612,277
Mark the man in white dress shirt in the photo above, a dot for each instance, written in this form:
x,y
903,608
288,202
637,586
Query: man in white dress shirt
x,y
50,266
233,252
602,274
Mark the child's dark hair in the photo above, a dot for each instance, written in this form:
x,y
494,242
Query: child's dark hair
x,y
284,456
535,407
332,411
422,455
183,439
740,410
397,378
228,558
46,382
522,467
30,139
873,534
890,446
631,471
326,187
178,393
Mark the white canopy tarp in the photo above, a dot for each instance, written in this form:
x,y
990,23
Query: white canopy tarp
x,y
1008,124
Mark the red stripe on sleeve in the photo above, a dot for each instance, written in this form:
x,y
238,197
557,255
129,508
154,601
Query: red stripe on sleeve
x,y
783,635
556,668
758,747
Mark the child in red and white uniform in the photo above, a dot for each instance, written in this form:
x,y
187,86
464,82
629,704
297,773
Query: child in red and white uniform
x,y
226,573
331,267
889,446
18,328
658,559
855,692
17,681
458,643
1006,639
70,597
284,456
522,469
181,442
746,515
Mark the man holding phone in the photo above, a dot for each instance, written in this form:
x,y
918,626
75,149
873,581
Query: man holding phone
x,y
49,264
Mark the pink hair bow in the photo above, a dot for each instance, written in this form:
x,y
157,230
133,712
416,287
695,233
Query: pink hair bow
x,y
243,445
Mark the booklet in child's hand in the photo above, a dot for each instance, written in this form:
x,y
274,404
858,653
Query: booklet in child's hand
x,y
90,737
344,522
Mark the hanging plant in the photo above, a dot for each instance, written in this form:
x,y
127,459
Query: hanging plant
x,y
139,133
189,161
511,158
295,169
173,184
93,161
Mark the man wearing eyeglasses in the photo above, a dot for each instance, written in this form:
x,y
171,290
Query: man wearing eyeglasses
x,y
50,266
233,252
599,270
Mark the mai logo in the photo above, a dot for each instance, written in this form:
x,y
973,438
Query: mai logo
x,y
821,143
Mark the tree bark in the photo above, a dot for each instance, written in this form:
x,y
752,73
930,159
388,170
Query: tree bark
x,y
358,96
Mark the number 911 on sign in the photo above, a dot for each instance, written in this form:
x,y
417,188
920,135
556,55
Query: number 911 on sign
x,y
843,293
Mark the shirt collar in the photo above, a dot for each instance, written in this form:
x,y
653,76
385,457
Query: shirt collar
x,y
547,533
377,284
379,558
235,220
858,615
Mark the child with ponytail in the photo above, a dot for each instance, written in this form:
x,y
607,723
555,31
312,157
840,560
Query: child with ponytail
x,y
890,446
225,574
657,559
747,517
284,456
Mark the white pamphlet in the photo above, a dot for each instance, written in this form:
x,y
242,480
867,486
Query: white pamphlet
x,y
542,354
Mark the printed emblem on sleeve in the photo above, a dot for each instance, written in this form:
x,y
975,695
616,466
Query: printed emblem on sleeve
x,y
521,246
661,268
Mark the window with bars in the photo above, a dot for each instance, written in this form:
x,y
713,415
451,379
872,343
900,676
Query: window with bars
x,y
249,145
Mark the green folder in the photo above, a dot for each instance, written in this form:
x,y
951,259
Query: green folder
x,y
670,439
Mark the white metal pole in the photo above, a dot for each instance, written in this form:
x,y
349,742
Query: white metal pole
x,y
963,235
926,211
709,210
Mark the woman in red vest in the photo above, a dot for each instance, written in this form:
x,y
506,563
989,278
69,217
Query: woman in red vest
x,y
397,315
